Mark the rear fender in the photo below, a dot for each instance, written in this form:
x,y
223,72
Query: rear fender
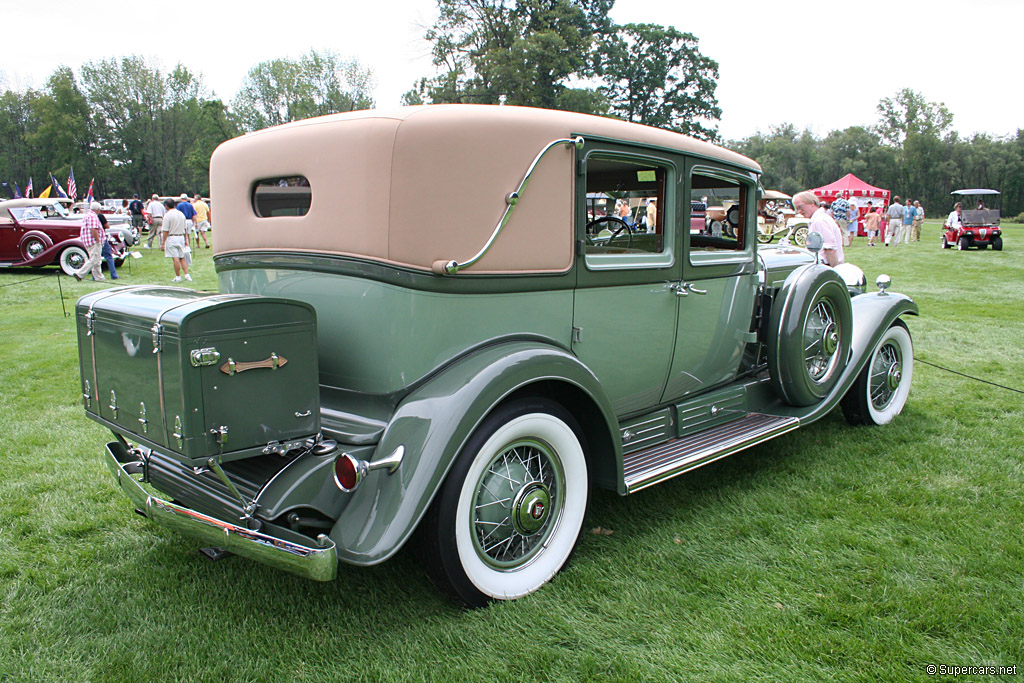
x,y
432,424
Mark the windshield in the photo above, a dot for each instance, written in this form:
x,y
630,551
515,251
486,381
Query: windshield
x,y
27,213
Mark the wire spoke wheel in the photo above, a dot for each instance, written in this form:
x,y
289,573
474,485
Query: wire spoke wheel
x,y
886,375
821,341
509,514
882,387
518,498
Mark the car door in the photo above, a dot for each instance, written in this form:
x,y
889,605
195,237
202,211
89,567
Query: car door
x,y
624,318
719,280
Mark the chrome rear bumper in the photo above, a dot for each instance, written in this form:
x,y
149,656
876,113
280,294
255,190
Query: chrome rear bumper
x,y
292,555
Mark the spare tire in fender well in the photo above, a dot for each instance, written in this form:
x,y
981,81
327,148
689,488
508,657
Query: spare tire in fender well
x,y
809,334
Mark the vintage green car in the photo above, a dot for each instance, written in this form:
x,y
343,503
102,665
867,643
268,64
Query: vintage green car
x,y
419,337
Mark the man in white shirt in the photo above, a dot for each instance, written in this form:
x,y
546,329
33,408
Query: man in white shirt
x,y
808,206
156,210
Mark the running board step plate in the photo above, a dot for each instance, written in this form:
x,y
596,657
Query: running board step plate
x,y
670,458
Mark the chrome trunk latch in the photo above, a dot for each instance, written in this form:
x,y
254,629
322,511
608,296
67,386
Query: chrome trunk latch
x,y
220,434
156,330
90,317
87,395
142,417
178,431
207,356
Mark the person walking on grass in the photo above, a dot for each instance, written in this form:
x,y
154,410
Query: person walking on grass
x,y
156,211
173,234
93,236
202,219
915,232
895,216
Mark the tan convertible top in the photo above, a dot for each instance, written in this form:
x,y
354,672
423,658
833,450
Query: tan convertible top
x,y
414,185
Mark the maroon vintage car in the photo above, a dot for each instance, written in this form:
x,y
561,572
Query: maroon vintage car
x,y
41,232
978,223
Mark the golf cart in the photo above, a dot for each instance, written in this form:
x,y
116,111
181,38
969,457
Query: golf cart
x,y
979,221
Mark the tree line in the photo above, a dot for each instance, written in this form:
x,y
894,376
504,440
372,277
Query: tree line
x,y
911,150
136,129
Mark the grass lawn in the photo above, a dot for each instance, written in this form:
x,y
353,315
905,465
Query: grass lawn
x,y
831,553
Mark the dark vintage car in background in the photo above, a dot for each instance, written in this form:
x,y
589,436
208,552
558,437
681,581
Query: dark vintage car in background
x,y
42,232
403,372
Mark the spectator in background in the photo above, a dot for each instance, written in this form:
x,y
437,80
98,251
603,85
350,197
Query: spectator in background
x,y
189,212
135,211
108,248
954,222
907,223
841,213
173,236
808,206
872,221
156,211
854,223
93,236
202,219
895,216
915,232
652,214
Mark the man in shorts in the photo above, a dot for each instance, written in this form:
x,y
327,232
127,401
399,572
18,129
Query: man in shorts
x,y
202,218
173,236
189,212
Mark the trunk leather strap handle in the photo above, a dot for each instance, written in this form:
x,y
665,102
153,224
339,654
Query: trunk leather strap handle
x,y
232,367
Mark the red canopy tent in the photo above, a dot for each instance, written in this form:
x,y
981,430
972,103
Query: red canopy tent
x,y
857,192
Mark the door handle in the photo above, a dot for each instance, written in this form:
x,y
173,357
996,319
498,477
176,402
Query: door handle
x,y
686,288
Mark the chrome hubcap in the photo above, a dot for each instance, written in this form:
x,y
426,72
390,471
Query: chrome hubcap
x,y
530,508
517,503
35,249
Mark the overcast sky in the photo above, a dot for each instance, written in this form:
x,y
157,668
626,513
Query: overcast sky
x,y
819,65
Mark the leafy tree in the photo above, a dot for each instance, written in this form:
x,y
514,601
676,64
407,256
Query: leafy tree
x,y
657,76
522,52
908,114
17,153
283,90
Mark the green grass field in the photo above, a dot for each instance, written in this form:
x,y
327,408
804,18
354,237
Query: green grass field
x,y
831,553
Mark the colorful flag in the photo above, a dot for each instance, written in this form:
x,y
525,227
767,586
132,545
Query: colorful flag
x,y
72,188
28,188
56,186
88,195
45,193
17,191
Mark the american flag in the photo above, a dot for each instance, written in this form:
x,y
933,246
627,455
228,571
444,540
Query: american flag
x,y
28,188
88,195
72,188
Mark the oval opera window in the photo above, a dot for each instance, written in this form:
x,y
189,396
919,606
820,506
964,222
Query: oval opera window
x,y
285,196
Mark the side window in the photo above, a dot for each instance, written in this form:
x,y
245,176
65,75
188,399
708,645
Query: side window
x,y
627,202
717,214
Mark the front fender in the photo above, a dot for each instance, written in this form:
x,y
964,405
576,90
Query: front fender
x,y
49,256
872,316
433,423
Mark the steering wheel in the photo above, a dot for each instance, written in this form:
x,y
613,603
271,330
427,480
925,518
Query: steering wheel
x,y
592,229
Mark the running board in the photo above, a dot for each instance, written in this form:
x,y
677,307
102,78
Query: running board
x,y
671,458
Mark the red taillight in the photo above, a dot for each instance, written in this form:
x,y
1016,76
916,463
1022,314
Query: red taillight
x,y
347,472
